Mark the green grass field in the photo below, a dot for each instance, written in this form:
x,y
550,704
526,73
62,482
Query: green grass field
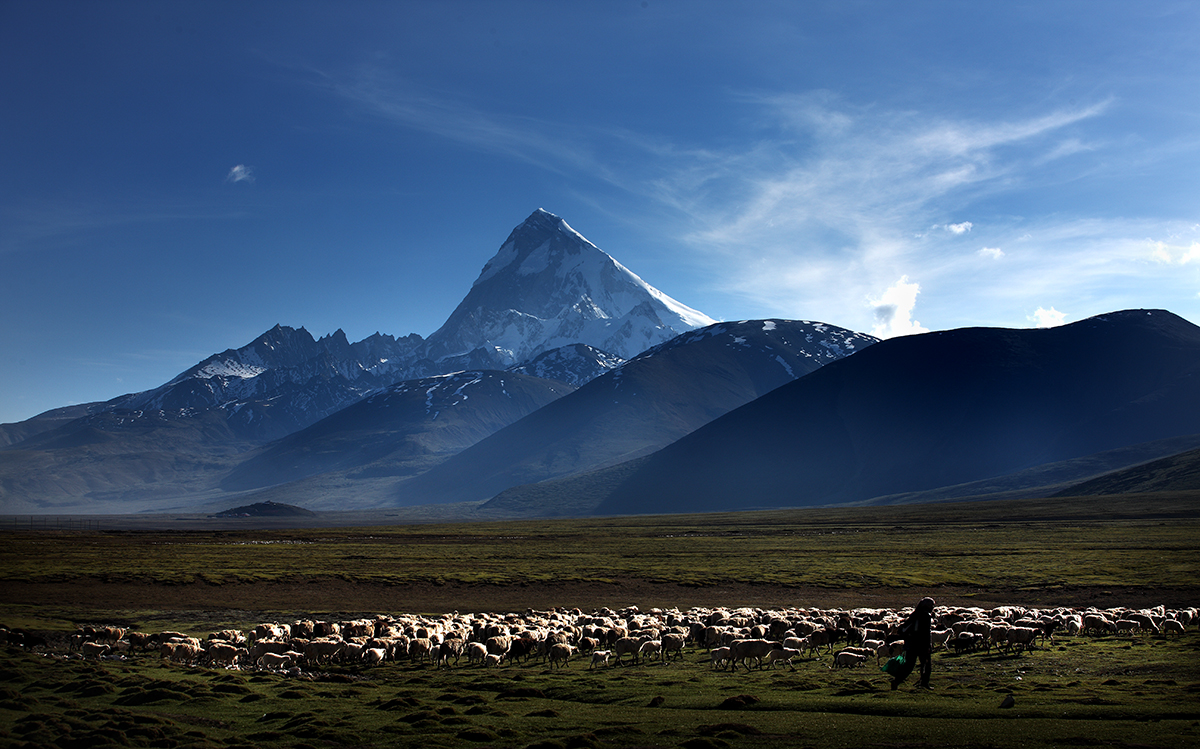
x,y
1081,691
1031,544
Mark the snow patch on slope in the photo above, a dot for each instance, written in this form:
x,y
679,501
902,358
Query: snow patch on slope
x,y
230,368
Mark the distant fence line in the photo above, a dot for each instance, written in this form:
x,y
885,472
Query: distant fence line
x,y
47,523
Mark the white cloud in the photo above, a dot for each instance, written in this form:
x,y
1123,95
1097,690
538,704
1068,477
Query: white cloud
x,y
1047,318
1169,254
893,310
962,228
240,173
995,253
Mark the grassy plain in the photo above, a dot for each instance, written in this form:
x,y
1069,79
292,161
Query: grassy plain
x,y
1035,543
1081,692
1112,691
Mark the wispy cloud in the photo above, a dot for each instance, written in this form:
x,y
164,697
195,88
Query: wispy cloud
x,y
549,145
41,224
240,173
836,199
865,170
824,202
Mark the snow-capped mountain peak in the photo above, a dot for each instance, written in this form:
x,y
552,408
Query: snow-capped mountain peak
x,y
548,287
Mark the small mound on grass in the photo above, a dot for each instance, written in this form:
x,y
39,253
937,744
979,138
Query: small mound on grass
x,y
738,703
265,510
522,692
739,728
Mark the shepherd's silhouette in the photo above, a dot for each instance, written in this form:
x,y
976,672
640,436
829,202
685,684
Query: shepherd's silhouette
x,y
915,632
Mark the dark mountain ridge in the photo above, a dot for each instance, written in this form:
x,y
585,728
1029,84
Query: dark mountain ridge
x,y
919,412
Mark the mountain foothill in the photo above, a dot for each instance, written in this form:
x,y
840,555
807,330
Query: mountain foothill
x,y
565,385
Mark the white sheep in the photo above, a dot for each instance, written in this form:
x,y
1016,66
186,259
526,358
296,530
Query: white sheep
x,y
782,655
1022,637
600,658
648,649
742,650
560,653
673,643
94,649
274,661
848,659
476,652
719,656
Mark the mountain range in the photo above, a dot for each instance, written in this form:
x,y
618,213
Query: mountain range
x,y
564,384
643,406
288,412
547,287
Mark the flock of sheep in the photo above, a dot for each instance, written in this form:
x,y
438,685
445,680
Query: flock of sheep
x,y
740,638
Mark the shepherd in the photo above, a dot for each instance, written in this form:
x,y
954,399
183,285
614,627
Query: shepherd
x,y
918,645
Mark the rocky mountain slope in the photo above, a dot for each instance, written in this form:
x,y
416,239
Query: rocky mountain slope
x,y
400,430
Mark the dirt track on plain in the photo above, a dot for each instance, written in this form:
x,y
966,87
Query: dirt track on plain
x,y
328,595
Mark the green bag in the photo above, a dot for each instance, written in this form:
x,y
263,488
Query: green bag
x,y
896,666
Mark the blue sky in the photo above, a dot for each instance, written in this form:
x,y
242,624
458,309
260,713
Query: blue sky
x,y
178,177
